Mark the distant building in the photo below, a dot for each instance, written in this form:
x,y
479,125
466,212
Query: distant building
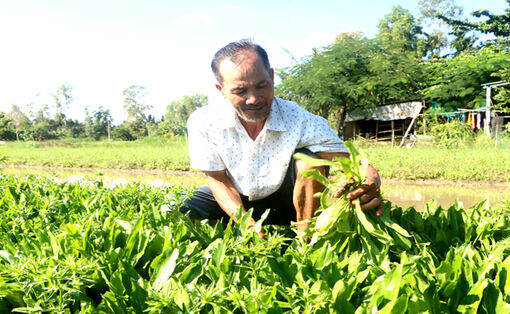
x,y
384,122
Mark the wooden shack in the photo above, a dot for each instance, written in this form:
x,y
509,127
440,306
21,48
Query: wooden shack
x,y
383,123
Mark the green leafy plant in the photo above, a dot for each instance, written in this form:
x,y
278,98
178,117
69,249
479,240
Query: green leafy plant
x,y
346,226
82,247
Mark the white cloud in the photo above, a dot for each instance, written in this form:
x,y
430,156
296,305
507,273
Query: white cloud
x,y
200,19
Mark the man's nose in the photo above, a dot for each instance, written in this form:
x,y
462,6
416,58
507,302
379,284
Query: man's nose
x,y
251,99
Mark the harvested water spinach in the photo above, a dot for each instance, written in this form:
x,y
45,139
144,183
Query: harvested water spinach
x,y
346,227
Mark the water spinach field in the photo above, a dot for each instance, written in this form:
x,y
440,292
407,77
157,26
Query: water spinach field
x,y
88,247
82,247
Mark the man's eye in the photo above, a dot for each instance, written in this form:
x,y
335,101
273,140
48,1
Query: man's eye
x,y
261,86
238,92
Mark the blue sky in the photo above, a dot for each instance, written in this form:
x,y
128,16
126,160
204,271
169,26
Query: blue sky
x,y
102,47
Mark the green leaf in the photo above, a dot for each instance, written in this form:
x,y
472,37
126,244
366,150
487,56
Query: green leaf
x,y
164,270
317,176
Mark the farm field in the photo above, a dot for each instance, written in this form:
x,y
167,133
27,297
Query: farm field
x,y
478,163
82,247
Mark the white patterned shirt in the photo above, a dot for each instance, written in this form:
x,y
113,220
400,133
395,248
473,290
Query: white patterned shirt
x,y
218,141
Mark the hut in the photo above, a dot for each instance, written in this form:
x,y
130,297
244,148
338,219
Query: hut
x,y
383,123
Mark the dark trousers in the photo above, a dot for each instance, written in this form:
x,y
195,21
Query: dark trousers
x,y
203,205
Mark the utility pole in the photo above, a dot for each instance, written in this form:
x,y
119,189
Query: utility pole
x,y
109,140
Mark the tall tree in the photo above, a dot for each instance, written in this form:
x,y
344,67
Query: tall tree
x,y
133,103
97,123
436,29
327,83
354,73
63,99
18,120
497,25
456,82
399,31
178,112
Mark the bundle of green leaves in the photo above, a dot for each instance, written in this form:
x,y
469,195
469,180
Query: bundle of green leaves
x,y
342,222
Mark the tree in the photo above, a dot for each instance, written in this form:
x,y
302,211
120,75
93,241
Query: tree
x,y
502,95
456,83
97,123
497,25
327,82
354,73
18,120
62,99
6,133
178,112
437,39
133,103
399,31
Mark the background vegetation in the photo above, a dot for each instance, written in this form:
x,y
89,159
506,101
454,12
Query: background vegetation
x,y
475,159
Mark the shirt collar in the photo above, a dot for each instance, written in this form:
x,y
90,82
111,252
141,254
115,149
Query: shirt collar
x,y
274,122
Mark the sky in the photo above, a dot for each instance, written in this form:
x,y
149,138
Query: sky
x,y
101,47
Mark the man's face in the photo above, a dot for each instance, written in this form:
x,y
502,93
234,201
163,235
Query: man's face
x,y
248,86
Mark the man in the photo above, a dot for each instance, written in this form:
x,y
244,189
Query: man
x,y
245,146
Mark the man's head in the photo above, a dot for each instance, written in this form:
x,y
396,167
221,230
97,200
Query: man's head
x,y
232,52
245,79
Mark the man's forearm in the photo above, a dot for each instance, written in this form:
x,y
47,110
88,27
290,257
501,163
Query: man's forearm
x,y
224,191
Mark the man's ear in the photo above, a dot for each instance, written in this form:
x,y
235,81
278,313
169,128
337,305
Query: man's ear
x,y
219,88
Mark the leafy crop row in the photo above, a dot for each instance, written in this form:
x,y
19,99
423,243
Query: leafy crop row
x,y
81,247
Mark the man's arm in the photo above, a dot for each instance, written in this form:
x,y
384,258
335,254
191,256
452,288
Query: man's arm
x,y
225,193
369,192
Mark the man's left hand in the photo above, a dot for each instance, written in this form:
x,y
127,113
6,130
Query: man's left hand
x,y
369,194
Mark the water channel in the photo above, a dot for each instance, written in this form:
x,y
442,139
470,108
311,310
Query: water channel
x,y
403,194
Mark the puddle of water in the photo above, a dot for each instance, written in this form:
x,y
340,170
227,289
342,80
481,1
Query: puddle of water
x,y
407,195
112,178
403,195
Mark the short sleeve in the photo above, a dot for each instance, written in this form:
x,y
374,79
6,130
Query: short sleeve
x,y
202,151
318,136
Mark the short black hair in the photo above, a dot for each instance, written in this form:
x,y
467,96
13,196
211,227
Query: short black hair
x,y
232,52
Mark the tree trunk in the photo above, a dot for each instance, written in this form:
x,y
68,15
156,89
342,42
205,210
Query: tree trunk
x,y
340,122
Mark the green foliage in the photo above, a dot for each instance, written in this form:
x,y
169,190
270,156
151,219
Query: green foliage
x,y
133,103
81,247
451,134
456,83
177,114
97,123
345,226
497,25
6,133
352,73
398,30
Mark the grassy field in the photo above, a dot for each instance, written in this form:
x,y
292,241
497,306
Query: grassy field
x,y
472,164
480,162
155,153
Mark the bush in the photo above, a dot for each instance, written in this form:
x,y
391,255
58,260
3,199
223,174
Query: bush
x,y
451,134
122,134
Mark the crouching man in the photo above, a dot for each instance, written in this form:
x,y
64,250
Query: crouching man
x,y
245,145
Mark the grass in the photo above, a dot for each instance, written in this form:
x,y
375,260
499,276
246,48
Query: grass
x,y
155,153
474,164
476,161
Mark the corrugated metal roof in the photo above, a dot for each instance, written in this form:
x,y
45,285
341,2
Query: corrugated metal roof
x,y
387,113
